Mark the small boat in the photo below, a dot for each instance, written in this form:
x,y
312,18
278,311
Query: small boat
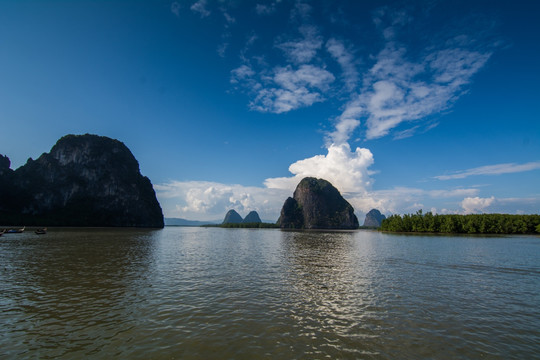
x,y
2,232
15,231
41,231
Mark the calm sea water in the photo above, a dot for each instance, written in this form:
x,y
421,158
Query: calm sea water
x,y
203,293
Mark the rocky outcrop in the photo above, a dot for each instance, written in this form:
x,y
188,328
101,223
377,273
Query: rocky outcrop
x,y
232,217
316,204
252,218
86,180
374,218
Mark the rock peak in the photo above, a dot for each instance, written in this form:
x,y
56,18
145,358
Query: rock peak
x,y
374,218
252,217
232,217
317,204
85,180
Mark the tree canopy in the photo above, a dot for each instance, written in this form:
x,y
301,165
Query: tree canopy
x,y
463,224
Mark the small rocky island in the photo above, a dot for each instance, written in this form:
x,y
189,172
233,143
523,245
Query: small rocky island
x,y
85,180
317,204
232,217
374,218
252,218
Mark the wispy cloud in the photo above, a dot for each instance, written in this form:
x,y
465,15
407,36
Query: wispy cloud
x,y
346,60
378,89
175,8
403,86
497,169
284,88
303,50
200,7
398,89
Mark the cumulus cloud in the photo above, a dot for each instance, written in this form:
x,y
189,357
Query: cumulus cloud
x,y
477,204
346,170
497,169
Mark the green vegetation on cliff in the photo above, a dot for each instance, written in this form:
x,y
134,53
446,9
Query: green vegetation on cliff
x,y
463,224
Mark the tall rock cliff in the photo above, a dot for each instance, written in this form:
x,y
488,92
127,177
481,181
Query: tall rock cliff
x,y
232,217
374,218
252,218
316,204
86,180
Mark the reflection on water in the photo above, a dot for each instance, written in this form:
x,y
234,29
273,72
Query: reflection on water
x,y
199,293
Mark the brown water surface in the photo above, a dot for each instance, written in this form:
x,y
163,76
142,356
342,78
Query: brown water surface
x,y
200,293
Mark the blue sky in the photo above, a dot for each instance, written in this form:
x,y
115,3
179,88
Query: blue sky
x,y
402,105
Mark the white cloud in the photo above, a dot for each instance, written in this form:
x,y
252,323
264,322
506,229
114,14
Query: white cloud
x,y
497,169
175,8
346,170
398,89
476,204
306,75
262,9
205,200
228,18
267,9
302,50
200,7
241,73
404,199
347,122
285,88
403,87
346,60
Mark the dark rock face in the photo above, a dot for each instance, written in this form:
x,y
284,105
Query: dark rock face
x,y
374,218
316,204
86,180
232,217
252,217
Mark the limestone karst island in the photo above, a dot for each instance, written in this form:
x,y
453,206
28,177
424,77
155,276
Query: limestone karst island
x,y
85,180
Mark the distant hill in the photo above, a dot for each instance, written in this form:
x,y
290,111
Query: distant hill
x,y
184,222
374,218
252,217
232,217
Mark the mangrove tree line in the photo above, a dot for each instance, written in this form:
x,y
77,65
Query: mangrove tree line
x,y
463,224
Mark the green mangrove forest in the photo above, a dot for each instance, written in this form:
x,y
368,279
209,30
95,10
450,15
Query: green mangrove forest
x,y
463,224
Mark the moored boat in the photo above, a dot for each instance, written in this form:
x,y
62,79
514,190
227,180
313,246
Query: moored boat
x,y
15,231
41,231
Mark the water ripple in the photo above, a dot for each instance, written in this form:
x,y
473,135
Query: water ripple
x,y
199,293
